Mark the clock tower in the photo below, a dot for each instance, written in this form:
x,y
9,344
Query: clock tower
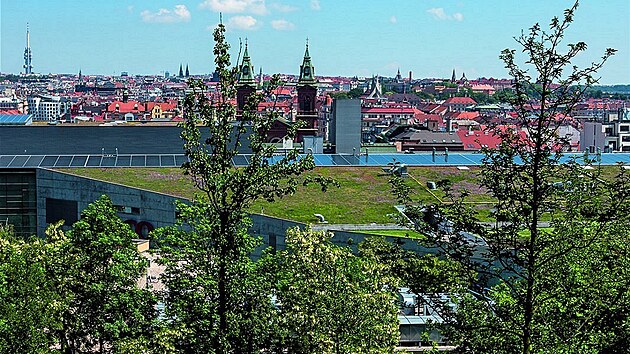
x,y
246,83
307,97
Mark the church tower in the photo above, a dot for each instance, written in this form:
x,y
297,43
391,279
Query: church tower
x,y
246,82
307,97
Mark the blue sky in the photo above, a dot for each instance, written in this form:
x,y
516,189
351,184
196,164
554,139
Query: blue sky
x,y
358,37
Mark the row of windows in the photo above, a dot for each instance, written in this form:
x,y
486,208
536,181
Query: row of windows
x,y
388,116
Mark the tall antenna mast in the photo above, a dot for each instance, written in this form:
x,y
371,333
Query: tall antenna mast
x,y
28,57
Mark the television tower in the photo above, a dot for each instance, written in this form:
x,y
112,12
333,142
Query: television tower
x,y
28,68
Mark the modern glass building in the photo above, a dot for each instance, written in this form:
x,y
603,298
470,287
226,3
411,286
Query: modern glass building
x,y
18,200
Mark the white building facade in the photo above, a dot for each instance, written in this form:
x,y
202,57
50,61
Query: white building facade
x,y
48,108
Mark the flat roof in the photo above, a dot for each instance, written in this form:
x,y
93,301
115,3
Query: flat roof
x,y
324,160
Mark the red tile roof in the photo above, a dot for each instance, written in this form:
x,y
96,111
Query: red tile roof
x,y
463,115
390,110
10,111
459,100
475,140
137,107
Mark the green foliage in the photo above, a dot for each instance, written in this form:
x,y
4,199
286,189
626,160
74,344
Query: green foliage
x,y
449,84
332,301
504,96
338,95
355,93
217,301
192,299
75,291
28,302
423,274
425,95
550,291
482,98
96,270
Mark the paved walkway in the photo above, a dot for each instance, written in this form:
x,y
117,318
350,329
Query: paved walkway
x,y
356,227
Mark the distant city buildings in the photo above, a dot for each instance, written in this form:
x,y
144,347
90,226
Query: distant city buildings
x,y
48,108
400,112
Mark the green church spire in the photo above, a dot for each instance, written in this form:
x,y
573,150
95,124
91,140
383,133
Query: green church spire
x,y
307,70
246,71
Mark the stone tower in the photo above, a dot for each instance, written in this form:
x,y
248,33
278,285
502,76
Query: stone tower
x,y
307,97
246,82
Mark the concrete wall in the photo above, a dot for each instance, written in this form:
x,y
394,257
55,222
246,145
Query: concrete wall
x,y
592,135
159,210
273,231
154,208
72,140
345,128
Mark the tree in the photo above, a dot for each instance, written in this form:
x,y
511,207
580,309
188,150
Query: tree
x,y
29,306
481,98
332,301
355,92
342,95
215,296
504,96
96,271
520,302
425,95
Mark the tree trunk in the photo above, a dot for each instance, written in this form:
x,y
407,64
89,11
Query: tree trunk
x,y
222,285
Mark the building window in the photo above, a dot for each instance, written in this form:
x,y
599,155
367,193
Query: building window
x,y
60,209
127,210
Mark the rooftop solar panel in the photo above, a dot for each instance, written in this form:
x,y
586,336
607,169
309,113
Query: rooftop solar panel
x,y
108,161
6,160
180,159
64,161
49,161
78,161
169,160
123,161
152,161
239,160
94,161
18,161
138,161
14,119
34,161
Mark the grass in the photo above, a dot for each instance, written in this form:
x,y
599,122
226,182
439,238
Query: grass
x,y
524,234
363,197
394,233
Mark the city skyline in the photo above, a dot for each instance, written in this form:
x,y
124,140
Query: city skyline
x,y
429,38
